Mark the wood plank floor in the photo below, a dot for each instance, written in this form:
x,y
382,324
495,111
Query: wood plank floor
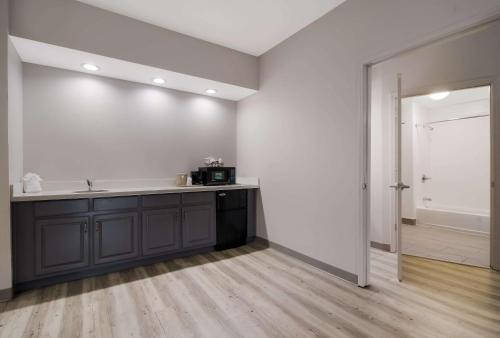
x,y
446,244
257,292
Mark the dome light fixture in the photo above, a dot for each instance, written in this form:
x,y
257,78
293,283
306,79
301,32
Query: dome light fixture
x,y
439,96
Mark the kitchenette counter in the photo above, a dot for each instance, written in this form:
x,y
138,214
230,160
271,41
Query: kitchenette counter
x,y
61,234
18,196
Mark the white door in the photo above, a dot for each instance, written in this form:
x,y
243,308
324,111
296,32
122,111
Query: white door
x,y
398,186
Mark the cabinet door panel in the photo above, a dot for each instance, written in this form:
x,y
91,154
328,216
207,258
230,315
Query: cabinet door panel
x,y
61,244
198,226
116,237
161,231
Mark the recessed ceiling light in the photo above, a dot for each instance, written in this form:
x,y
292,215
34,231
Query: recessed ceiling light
x,y
439,96
158,80
91,67
211,91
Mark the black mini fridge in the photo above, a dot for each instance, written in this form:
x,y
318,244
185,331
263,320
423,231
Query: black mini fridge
x,y
231,219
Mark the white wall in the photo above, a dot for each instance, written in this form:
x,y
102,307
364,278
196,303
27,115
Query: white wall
x,y
15,88
407,160
457,158
78,125
421,138
301,133
5,245
461,58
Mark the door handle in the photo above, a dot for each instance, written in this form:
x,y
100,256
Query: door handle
x,y
400,186
223,194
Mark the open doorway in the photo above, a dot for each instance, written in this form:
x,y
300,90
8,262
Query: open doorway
x,y
453,195
445,140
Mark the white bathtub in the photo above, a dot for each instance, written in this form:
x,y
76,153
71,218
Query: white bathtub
x,y
459,220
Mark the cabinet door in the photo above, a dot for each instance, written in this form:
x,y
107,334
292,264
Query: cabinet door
x,y
198,226
161,231
61,244
115,237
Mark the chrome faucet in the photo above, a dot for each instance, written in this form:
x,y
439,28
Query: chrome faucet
x,y
90,184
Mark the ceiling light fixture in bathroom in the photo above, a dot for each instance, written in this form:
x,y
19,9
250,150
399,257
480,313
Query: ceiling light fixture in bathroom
x,y
90,67
439,96
158,80
211,91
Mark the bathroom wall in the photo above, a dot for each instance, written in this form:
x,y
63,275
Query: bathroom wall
x,y
456,155
407,160
78,125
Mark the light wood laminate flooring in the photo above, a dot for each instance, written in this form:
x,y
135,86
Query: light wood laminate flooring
x,y
254,291
446,244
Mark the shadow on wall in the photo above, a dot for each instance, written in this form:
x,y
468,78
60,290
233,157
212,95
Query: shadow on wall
x,y
261,217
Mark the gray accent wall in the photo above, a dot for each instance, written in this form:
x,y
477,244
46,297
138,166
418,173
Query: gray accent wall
x,y
78,125
75,25
301,134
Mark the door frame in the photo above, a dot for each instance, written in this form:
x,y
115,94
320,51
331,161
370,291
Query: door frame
x,y
363,258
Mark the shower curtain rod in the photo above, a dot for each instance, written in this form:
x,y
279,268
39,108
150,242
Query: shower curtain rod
x,y
459,118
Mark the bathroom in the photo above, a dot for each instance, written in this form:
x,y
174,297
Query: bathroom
x,y
445,143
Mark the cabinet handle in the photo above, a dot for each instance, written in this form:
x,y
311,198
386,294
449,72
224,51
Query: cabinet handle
x,y
223,194
97,226
85,227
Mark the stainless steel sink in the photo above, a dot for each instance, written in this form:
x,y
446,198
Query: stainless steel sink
x,y
89,191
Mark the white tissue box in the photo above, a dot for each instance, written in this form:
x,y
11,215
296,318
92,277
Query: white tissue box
x,y
31,183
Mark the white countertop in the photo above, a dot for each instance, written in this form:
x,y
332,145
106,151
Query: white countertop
x,y
17,196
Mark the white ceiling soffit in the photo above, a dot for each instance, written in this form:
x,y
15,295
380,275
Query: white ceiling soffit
x,y
71,59
249,26
455,97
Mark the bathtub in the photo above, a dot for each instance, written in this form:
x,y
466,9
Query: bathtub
x,y
478,222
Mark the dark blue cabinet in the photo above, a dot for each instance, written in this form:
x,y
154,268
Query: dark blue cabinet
x,y
116,237
161,231
55,241
62,244
198,226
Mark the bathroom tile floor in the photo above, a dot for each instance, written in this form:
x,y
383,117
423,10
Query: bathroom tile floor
x,y
446,245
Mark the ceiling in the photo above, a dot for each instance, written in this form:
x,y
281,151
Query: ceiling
x,y
249,26
71,59
455,97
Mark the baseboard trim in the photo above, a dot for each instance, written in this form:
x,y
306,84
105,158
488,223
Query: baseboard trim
x,y
409,221
380,246
348,276
6,295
